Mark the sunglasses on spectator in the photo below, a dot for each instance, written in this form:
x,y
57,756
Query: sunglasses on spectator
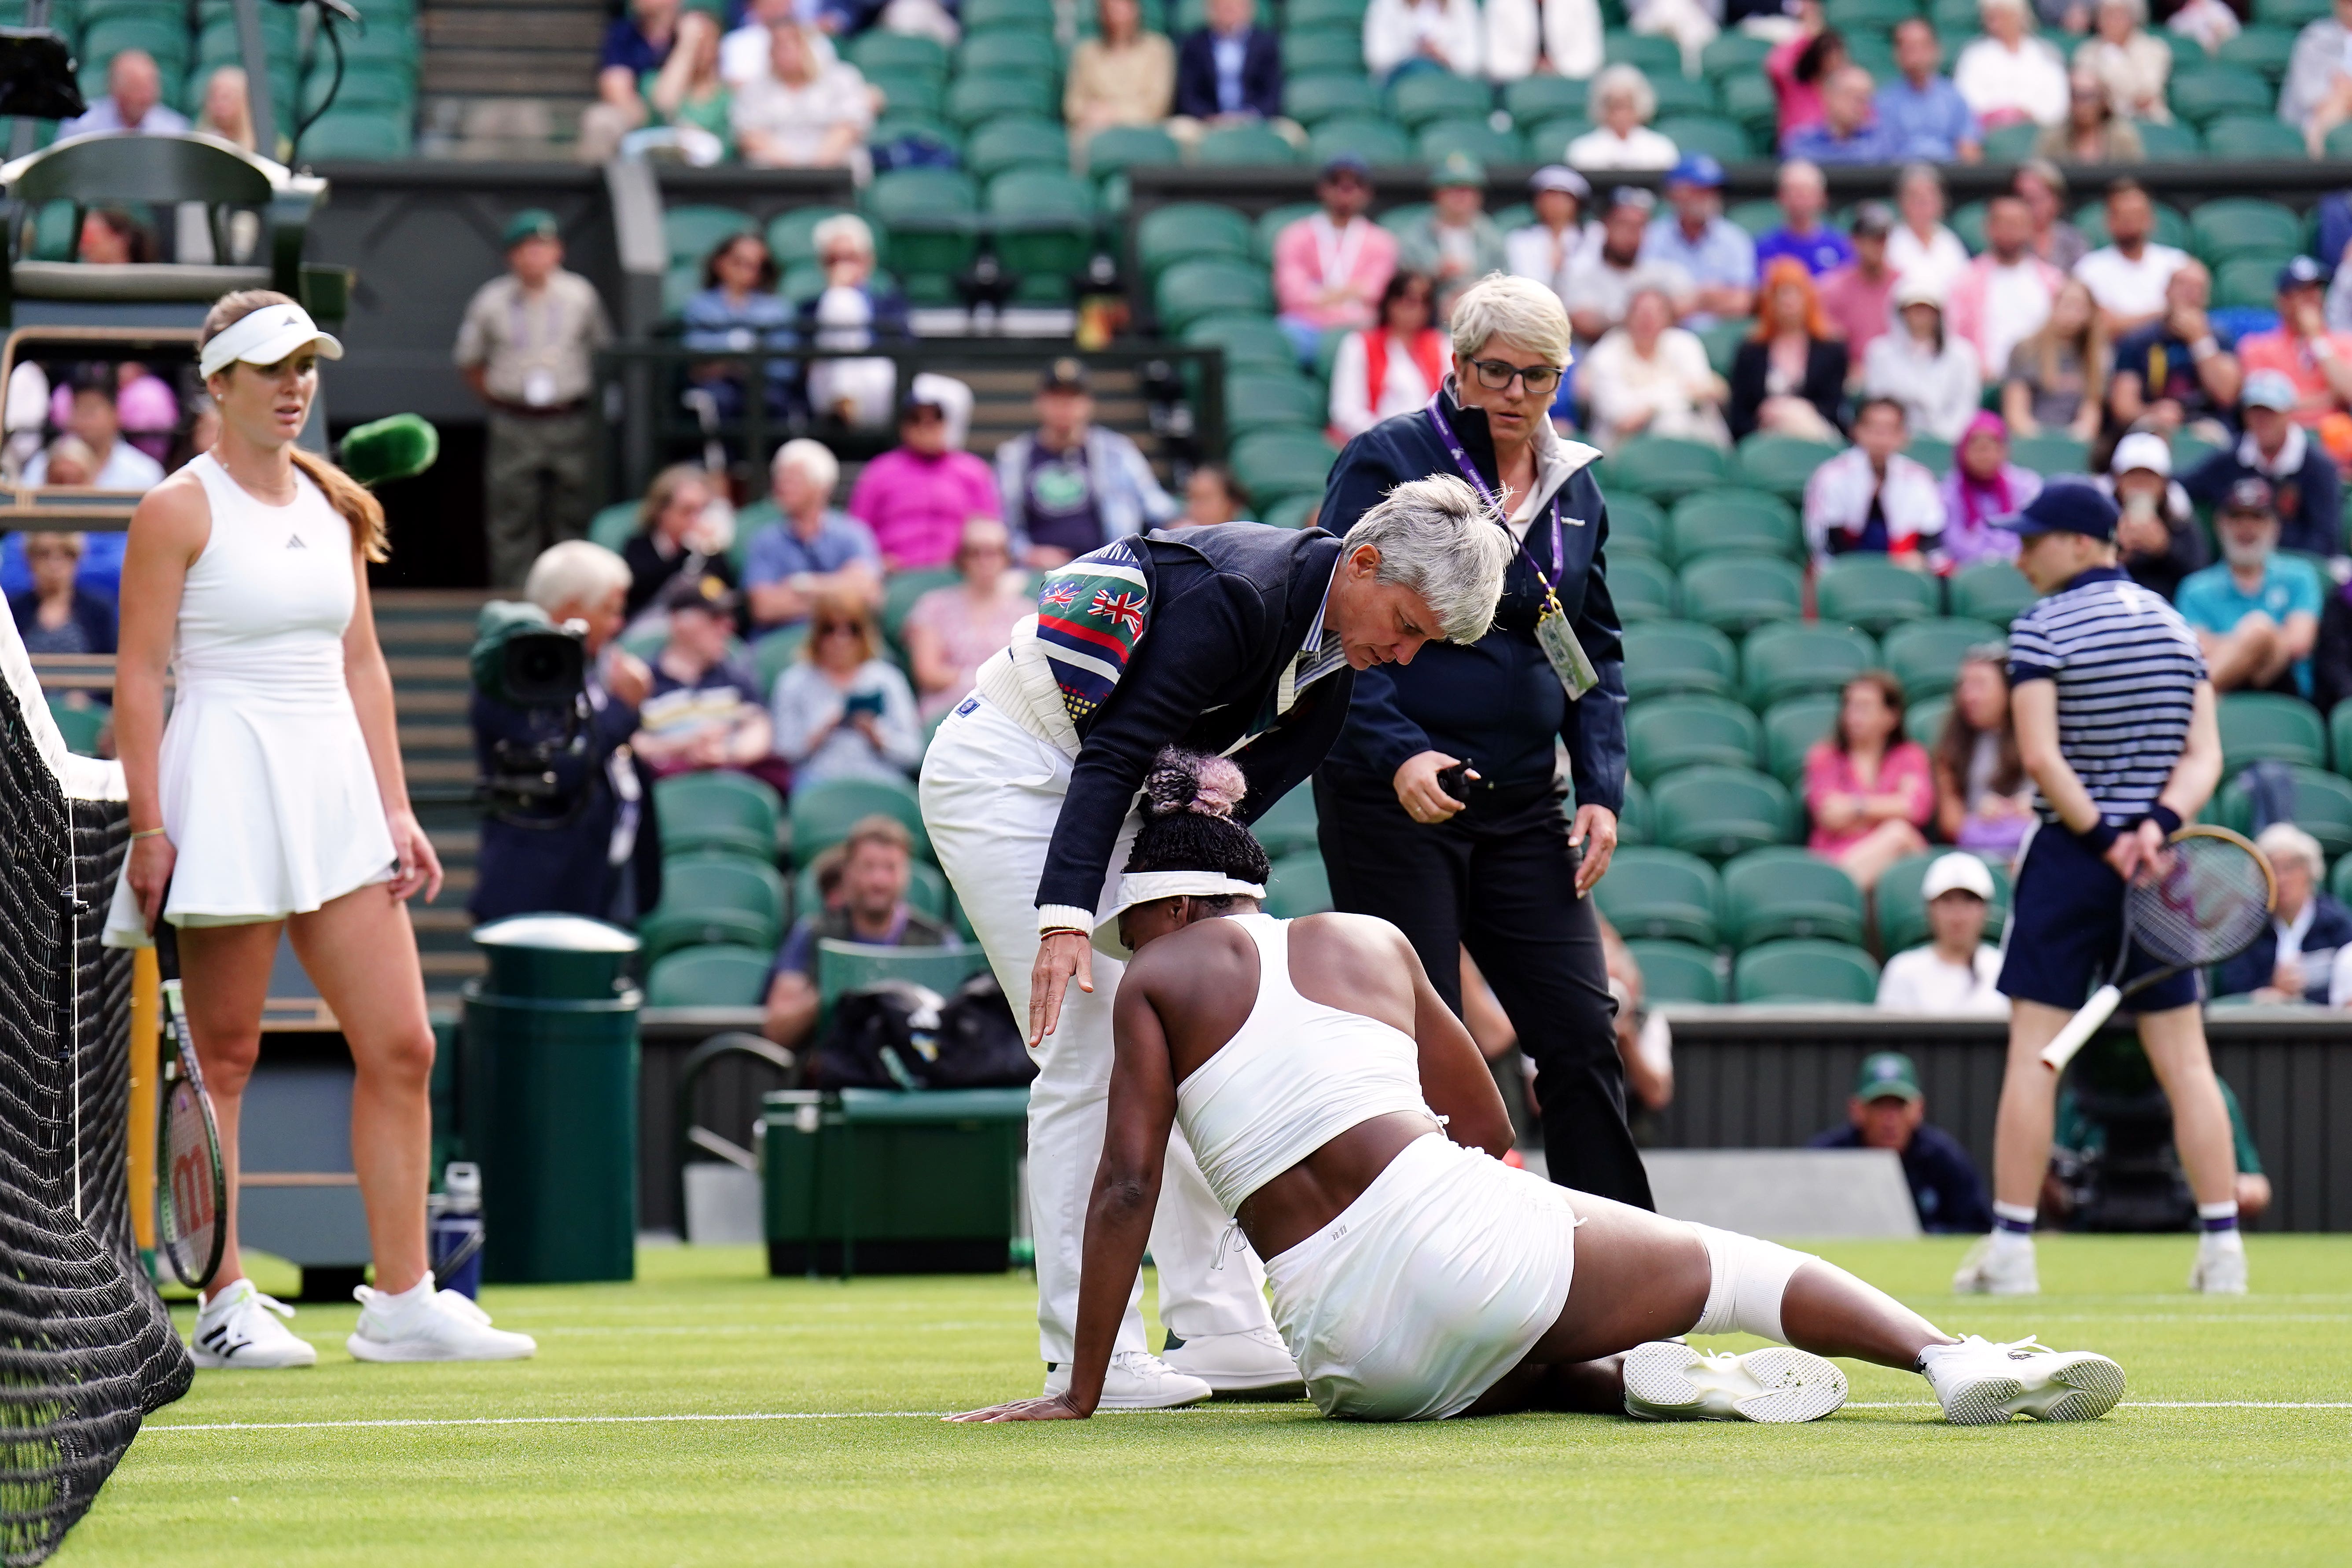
x,y
1496,374
831,627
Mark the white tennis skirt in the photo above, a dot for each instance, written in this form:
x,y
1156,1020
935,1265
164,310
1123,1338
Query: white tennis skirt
x,y
1427,1289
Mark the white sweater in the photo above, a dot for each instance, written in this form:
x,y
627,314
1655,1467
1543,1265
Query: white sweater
x,y
1394,30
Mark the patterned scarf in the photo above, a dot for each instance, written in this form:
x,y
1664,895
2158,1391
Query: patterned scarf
x,y
1090,614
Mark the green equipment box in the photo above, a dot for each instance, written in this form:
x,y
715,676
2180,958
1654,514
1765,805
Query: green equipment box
x,y
891,1183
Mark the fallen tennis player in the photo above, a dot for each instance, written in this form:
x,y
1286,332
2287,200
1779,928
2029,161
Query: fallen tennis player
x,y
1343,1115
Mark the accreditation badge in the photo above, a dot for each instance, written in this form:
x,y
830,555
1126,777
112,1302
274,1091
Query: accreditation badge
x,y
1564,653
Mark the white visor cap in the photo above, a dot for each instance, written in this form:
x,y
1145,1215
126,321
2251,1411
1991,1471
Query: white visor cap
x,y
266,336
1150,886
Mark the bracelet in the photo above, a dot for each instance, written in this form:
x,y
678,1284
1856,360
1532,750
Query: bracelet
x,y
2204,348
1062,931
2098,836
147,833
2164,816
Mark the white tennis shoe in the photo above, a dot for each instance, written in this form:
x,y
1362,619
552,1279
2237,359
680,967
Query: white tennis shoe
x,y
1253,1361
1137,1379
425,1324
1666,1380
237,1331
1997,1267
1981,1384
2220,1265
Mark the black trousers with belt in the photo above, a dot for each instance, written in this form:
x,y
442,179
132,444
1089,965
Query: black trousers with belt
x,y
1500,878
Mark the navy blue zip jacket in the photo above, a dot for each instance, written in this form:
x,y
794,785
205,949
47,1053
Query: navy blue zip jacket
x,y
1496,702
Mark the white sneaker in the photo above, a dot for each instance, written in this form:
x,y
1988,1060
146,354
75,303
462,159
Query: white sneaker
x,y
425,1324
2220,1265
1997,1267
1980,1383
235,1330
1254,1360
1666,1380
1137,1379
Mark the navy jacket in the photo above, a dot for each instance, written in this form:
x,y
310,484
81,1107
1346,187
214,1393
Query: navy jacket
x,y
1495,703
2308,501
92,614
1196,75
2331,928
1229,609
558,860
1944,1186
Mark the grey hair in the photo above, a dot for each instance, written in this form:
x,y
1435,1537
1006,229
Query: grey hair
x,y
1438,539
1625,78
842,225
2285,841
814,458
1804,169
1520,309
576,572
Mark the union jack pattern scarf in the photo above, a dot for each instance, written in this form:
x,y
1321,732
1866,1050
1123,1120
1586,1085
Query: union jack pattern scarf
x,y
1090,614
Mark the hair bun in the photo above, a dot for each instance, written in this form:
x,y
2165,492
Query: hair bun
x,y
1187,781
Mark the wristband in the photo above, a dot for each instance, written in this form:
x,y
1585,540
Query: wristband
x,y
2165,818
2322,350
2203,349
2097,836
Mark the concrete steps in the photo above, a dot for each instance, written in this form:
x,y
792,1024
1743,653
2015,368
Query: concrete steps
x,y
507,79
426,634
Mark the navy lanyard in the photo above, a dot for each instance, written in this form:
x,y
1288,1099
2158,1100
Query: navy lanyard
x,y
1469,471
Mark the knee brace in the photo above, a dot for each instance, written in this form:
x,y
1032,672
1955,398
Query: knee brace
x,y
1745,1280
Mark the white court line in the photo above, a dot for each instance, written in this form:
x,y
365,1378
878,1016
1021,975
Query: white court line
x,y
2139,1405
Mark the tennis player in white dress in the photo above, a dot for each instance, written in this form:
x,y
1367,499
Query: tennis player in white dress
x,y
274,799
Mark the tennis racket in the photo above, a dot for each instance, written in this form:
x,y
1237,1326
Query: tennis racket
x,y
2207,903
192,1184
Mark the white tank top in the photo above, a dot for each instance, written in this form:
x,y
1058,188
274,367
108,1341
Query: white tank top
x,y
1296,1075
263,608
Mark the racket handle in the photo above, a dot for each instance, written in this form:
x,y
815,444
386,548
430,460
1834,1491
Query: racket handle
x,y
2081,1027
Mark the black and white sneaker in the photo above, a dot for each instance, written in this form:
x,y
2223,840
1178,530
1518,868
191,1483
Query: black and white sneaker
x,y
236,1330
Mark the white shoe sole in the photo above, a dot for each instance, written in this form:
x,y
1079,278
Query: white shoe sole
x,y
1177,1396
207,1361
2076,1385
1668,1381
364,1349
1275,1377
1975,1284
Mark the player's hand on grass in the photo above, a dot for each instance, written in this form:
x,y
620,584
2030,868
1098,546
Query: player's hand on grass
x,y
1595,832
1061,956
151,859
1052,1407
414,865
1418,790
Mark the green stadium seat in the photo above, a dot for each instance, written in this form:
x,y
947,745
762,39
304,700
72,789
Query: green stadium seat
x,y
1665,466
1424,98
822,814
1121,147
1296,885
1757,218
1290,510
1720,522
775,650
611,525
1787,892
692,233
1654,55
81,726
2010,143
2339,880
1903,913
1992,590
1925,655
2266,726
1265,230
1681,97
909,94
2170,141
1007,16
1723,340
1790,660
2339,141
1044,220
1641,588
1733,54
1376,141
1850,16
1664,656
971,99
1256,400
1955,19
846,966
164,38
1008,52
1749,100
791,237
2265,50
1272,464
2322,807
715,898
1666,733
368,88
877,49
719,974
1533,99
1779,464
2238,226
1924,721
2209,92
718,811
2050,453
2252,136
1792,727
1189,231
358,136
1634,824
1236,145
1676,972
1712,134
2246,282
1400,219
1252,343
1661,894
931,216
1637,525
2339,735
1327,95
1932,453
1472,138
1189,16
2290,14
1191,289
1549,138
1288,825
1800,971
1740,593
1323,50
1873,593
903,588
1722,812
1016,141
1336,14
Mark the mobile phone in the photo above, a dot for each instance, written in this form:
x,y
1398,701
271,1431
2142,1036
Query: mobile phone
x,y
1455,781
864,703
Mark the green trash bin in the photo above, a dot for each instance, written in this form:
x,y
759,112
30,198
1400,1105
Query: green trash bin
x,y
926,1182
551,1099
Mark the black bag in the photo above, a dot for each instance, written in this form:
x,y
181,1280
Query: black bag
x,y
902,1035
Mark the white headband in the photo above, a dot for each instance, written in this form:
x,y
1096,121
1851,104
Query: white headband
x,y
266,336
1150,886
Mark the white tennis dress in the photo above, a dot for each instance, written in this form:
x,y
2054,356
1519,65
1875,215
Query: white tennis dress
x,y
267,790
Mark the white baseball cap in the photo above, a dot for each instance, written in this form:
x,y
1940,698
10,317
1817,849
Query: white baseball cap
x,y
2142,449
266,336
1957,873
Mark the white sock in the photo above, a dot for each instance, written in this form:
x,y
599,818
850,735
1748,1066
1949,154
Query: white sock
x,y
414,1296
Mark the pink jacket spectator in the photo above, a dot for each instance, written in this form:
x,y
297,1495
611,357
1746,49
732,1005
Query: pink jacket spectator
x,y
1310,257
1904,773
917,506
1964,307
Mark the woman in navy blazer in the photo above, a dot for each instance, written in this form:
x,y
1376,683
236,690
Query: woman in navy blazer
x,y
1261,74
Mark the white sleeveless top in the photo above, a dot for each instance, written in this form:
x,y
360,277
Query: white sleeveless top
x,y
268,793
1296,1075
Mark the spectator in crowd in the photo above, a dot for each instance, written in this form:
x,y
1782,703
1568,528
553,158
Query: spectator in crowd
x,y
57,614
1330,267
2208,23
851,311
1848,131
1566,38
691,98
2126,276
1601,282
1984,802
1401,36
1070,486
738,308
1858,297
1650,377
2003,297
70,465
918,496
1544,248
2173,374
1932,373
2338,311
96,419
2009,76
2305,491
524,349
1922,247
807,112
704,710
1983,488
637,44
1870,497
1124,75
148,412
1920,109
2157,537
1800,66
1389,368
674,536
1645,1041
2317,95
2040,185
811,548
1788,376
2057,377
1228,73
743,50
2127,60
1622,104
133,101
1716,253
2331,655
1955,972
2292,959
1804,195
1889,1110
951,630
1455,243
2255,611
842,711
1691,23
2090,134
1211,497
2317,359
1868,786
111,237
227,109
877,868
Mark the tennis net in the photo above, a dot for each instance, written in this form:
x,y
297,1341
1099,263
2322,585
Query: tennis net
x,y
86,1347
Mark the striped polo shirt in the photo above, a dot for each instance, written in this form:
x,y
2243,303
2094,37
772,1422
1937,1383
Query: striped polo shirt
x,y
2127,666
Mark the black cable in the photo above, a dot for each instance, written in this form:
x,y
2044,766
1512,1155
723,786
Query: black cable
x,y
302,125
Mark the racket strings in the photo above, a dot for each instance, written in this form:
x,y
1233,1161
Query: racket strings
x,y
2210,905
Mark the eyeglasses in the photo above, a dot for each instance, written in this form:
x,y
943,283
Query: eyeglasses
x,y
831,628
1496,374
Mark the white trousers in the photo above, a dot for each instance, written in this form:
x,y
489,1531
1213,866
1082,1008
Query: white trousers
x,y
992,792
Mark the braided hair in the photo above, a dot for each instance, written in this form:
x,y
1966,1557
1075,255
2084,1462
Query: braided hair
x,y
1188,819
